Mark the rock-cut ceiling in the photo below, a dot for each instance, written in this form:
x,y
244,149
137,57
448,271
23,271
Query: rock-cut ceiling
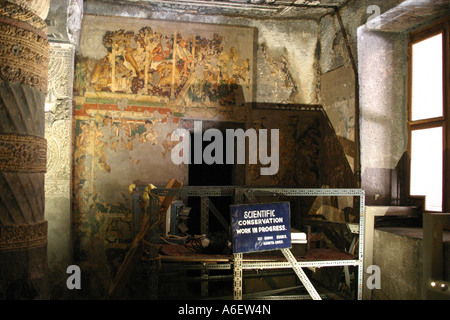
x,y
284,9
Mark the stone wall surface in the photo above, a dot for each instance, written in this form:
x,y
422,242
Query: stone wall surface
x,y
140,73
122,125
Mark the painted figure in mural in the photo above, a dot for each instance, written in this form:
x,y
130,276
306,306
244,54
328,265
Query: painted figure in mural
x,y
80,172
81,76
102,72
122,76
81,185
165,71
241,72
82,141
124,133
101,75
216,44
168,145
187,70
163,50
149,135
185,55
103,134
107,133
130,53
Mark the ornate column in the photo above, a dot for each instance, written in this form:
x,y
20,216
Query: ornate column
x,y
64,23
24,55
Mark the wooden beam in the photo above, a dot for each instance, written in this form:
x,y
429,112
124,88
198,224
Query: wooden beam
x,y
135,253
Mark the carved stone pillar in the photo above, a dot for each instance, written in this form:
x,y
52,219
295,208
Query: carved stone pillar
x,y
24,54
64,23
58,132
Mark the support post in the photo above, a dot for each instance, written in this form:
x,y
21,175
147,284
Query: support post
x,y
301,274
237,276
24,57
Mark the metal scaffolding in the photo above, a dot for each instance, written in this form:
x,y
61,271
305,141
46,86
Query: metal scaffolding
x,y
250,194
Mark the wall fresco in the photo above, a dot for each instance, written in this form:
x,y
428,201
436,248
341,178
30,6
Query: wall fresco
x,y
299,145
301,137
184,70
311,156
115,146
132,87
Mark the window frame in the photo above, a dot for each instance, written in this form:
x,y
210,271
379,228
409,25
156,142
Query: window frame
x,y
441,26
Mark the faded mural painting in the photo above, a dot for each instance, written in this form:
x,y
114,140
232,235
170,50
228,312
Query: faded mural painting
x,y
135,84
178,68
310,152
131,88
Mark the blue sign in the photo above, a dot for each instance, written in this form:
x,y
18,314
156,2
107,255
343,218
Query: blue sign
x,y
260,227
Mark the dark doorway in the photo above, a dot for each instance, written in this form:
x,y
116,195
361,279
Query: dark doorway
x,y
209,175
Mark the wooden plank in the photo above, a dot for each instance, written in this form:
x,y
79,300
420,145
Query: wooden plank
x,y
136,250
